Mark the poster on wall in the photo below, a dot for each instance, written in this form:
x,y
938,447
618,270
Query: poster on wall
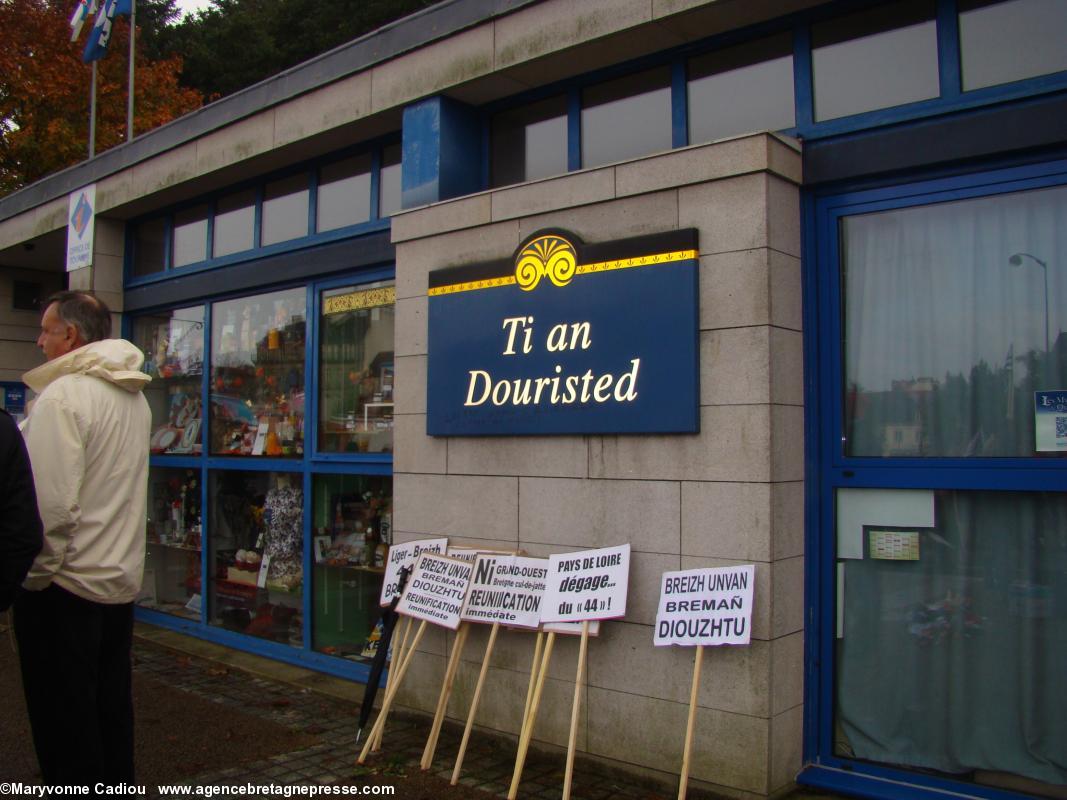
x,y
507,589
436,590
405,555
81,225
567,338
587,585
1050,421
705,607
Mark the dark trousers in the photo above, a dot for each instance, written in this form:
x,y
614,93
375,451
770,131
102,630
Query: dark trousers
x,y
76,673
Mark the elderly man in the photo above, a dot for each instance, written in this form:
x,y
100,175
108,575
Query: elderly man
x,y
87,435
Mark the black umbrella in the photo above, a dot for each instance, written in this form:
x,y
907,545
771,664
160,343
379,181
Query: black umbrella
x,y
389,619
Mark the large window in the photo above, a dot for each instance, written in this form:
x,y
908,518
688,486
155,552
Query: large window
x,y
1002,42
627,117
941,488
251,522
742,89
530,142
877,58
279,212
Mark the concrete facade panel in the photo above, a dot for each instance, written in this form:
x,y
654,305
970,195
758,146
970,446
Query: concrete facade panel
x,y
413,450
591,514
453,215
787,367
568,191
344,101
735,366
556,456
731,214
235,143
697,164
618,219
727,520
421,256
456,505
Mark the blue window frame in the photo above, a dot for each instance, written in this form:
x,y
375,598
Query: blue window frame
x,y
921,475
355,472
227,227
944,92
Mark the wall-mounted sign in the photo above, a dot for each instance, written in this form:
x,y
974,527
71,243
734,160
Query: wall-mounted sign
x,y
567,338
81,224
1050,421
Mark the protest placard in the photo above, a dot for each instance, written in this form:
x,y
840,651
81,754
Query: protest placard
x,y
705,607
436,590
587,585
405,555
506,589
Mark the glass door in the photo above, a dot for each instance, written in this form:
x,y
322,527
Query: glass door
x,y
941,512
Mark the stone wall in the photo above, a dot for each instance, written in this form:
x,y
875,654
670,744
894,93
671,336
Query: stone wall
x,y
730,494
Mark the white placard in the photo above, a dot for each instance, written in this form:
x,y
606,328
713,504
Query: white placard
x,y
586,585
436,590
81,226
705,607
571,628
506,589
405,555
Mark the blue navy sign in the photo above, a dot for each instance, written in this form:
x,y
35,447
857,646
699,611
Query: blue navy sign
x,y
567,338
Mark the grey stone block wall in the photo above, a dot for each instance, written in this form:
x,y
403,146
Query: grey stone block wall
x,y
731,494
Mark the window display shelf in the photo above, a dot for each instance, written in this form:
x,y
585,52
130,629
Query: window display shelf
x,y
174,546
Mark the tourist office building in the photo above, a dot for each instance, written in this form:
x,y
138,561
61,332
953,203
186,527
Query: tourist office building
x,y
733,283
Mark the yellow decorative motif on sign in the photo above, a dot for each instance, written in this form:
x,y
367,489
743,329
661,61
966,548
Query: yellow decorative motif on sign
x,y
549,256
353,301
583,269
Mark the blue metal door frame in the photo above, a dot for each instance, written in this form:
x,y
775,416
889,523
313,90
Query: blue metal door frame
x,y
827,468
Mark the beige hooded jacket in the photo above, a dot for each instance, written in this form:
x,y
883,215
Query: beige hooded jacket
x,y
87,434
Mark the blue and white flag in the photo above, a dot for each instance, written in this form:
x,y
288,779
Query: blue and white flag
x,y
100,35
85,9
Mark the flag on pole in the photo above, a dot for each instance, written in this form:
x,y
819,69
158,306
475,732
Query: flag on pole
x,y
100,35
85,9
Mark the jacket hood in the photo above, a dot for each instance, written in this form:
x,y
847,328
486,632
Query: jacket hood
x,y
113,360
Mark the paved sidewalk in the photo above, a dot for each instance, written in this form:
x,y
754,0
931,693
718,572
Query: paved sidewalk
x,y
327,708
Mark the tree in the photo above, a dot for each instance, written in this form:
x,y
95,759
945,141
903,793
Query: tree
x,y
44,89
236,43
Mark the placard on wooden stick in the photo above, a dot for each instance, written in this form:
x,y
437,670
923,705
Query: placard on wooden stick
x,y
505,589
436,590
584,586
405,555
703,608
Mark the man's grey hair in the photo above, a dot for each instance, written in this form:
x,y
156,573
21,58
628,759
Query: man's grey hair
x,y
87,313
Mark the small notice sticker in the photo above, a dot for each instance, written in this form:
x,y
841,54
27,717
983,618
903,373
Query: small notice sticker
x,y
894,545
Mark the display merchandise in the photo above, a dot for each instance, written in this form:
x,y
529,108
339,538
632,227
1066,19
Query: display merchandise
x,y
172,581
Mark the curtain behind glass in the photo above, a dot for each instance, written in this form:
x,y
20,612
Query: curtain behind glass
x,y
954,661
944,338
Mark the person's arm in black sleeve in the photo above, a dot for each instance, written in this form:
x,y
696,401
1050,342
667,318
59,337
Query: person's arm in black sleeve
x,y
20,523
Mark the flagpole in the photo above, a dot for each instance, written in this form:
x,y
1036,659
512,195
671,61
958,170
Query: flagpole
x,y
129,101
92,114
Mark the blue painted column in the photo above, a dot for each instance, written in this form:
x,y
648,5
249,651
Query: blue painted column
x,y
441,151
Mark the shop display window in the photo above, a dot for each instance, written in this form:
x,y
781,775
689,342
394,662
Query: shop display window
x,y
256,554
352,529
257,375
235,221
189,240
149,247
356,363
285,209
172,559
173,345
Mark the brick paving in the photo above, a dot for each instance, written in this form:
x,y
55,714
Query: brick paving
x,y
487,766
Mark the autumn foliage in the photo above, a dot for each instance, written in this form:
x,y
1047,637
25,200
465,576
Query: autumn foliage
x,y
44,91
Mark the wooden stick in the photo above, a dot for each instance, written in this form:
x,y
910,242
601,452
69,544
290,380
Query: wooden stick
x,y
535,667
398,657
474,703
527,731
572,741
692,718
394,686
446,691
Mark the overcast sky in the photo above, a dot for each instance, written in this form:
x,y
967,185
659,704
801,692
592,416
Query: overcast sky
x,y
191,6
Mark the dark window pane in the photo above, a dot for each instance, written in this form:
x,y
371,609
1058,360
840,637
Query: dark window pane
x,y
174,528
149,241
344,193
626,118
235,217
742,90
285,209
190,236
877,58
1002,42
389,181
26,295
530,142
